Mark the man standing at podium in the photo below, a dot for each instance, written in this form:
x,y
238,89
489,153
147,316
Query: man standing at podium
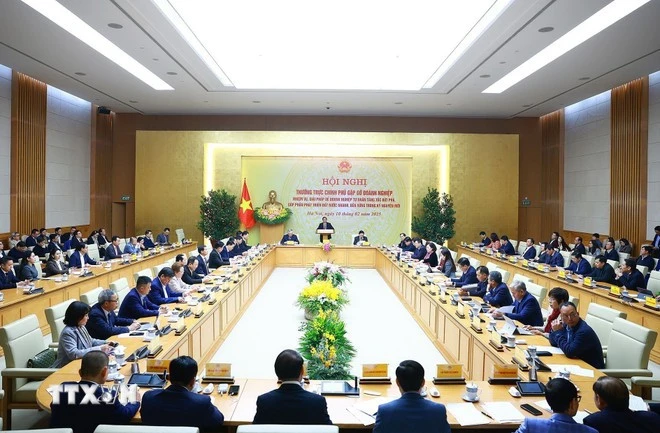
x,y
325,225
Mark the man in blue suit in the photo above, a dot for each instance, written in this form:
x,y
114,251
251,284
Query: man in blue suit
x,y
136,304
530,251
85,417
103,323
610,252
132,246
646,257
576,338
420,250
164,238
498,294
8,279
113,251
411,412
215,258
160,292
507,246
469,273
290,236
579,246
579,265
526,308
612,397
290,403
80,257
555,259
202,257
478,289
629,277
562,396
177,405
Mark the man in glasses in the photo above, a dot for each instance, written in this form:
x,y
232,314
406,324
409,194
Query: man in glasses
x,y
575,337
103,323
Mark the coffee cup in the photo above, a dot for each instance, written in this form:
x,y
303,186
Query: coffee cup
x,y
565,374
2,296
511,341
112,367
151,333
120,355
472,391
492,325
475,311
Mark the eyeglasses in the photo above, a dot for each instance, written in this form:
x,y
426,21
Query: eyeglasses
x,y
570,316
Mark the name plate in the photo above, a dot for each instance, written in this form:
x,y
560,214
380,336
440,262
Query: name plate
x,y
539,267
460,310
476,322
218,369
651,302
495,339
498,255
449,371
366,244
587,281
158,365
505,371
489,251
520,357
198,309
524,263
615,290
179,325
443,295
562,273
375,370
154,344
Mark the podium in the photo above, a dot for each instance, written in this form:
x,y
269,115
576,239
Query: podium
x,y
324,234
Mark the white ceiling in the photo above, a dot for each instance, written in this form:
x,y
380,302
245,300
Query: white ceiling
x,y
627,50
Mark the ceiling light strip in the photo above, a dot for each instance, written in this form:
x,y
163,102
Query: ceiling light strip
x,y
593,25
175,19
68,21
493,13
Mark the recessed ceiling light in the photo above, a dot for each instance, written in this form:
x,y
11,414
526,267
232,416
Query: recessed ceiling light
x,y
133,102
584,78
546,29
115,26
448,105
82,74
484,76
398,103
502,63
256,102
155,59
593,25
64,18
172,73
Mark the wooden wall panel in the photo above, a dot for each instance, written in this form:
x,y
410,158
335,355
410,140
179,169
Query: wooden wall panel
x,y
552,173
101,171
28,153
629,161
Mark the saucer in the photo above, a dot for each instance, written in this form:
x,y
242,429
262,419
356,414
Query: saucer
x,y
465,397
115,376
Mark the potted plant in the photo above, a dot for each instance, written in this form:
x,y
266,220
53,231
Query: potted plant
x,y
321,295
326,271
437,221
325,346
218,215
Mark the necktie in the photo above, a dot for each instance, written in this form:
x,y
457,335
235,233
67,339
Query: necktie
x,y
142,299
568,334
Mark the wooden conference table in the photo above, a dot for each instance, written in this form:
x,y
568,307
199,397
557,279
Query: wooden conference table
x,y
636,312
452,335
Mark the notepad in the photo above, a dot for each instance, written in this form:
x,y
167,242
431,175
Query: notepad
x,y
573,369
503,412
467,414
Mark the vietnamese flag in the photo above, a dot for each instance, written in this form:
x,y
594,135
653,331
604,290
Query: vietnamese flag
x,y
245,210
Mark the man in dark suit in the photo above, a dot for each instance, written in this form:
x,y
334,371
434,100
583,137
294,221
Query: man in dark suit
x,y
41,248
544,256
103,323
54,244
420,250
526,308
612,398
610,252
177,405
579,265
603,271
629,277
190,275
160,292
290,237
85,417
2,250
480,288
113,251
325,225
76,240
562,397
576,338
164,238
530,251
290,403
149,240
19,252
215,259
485,240
202,257
507,246
8,278
408,245
80,257
646,258
469,275
31,241
498,294
411,412
656,242
67,236
579,246
136,304
357,240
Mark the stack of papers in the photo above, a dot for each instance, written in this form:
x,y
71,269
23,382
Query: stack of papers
x,y
579,416
551,349
467,414
573,369
503,412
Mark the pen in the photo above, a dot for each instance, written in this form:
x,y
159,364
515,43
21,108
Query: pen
x,y
488,415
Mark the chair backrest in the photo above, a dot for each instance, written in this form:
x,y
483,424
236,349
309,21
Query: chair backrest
x,y
522,246
600,319
539,292
623,257
514,243
92,297
139,428
491,266
643,269
613,263
37,264
538,249
524,279
156,269
169,262
505,275
574,300
122,244
653,284
180,236
567,257
20,341
122,288
143,273
55,318
284,428
193,253
629,345
589,258
93,252
474,262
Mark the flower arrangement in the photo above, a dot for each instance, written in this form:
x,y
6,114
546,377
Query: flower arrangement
x,y
326,271
321,295
325,346
326,246
272,216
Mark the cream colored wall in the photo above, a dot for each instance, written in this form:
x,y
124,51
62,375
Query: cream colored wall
x,y
171,166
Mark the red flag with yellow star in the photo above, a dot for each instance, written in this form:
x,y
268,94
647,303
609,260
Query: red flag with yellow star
x,y
245,210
